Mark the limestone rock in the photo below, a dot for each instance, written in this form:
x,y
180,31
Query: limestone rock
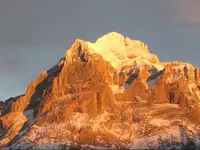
x,y
111,93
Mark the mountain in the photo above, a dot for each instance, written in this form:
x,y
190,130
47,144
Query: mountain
x,y
112,93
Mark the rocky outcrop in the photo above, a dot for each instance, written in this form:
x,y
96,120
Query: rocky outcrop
x,y
111,93
6,106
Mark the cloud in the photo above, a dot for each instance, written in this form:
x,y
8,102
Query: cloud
x,y
12,62
11,66
186,11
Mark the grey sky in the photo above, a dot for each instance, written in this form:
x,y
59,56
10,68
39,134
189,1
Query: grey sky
x,y
34,34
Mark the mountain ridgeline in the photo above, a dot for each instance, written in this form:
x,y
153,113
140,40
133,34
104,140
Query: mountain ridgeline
x,y
112,93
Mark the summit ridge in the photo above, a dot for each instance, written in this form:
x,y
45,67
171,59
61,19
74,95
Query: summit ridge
x,y
112,93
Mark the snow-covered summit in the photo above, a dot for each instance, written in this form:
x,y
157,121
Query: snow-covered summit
x,y
120,50
112,93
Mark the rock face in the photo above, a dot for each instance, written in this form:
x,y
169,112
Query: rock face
x,y
111,93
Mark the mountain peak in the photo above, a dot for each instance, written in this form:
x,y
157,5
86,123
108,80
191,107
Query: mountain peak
x,y
111,93
111,36
118,50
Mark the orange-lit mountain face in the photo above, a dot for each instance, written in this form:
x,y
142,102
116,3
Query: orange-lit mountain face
x,y
112,93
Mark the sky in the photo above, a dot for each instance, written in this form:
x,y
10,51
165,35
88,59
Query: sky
x,y
34,34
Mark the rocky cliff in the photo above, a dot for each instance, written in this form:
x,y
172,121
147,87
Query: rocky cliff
x,y
112,93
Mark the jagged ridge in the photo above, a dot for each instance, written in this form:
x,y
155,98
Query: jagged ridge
x,y
113,92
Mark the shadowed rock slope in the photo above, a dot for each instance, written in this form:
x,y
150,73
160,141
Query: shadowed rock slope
x,y
112,93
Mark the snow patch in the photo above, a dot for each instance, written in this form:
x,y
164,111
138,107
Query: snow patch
x,y
146,142
29,114
117,50
99,120
79,119
158,66
152,82
126,85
